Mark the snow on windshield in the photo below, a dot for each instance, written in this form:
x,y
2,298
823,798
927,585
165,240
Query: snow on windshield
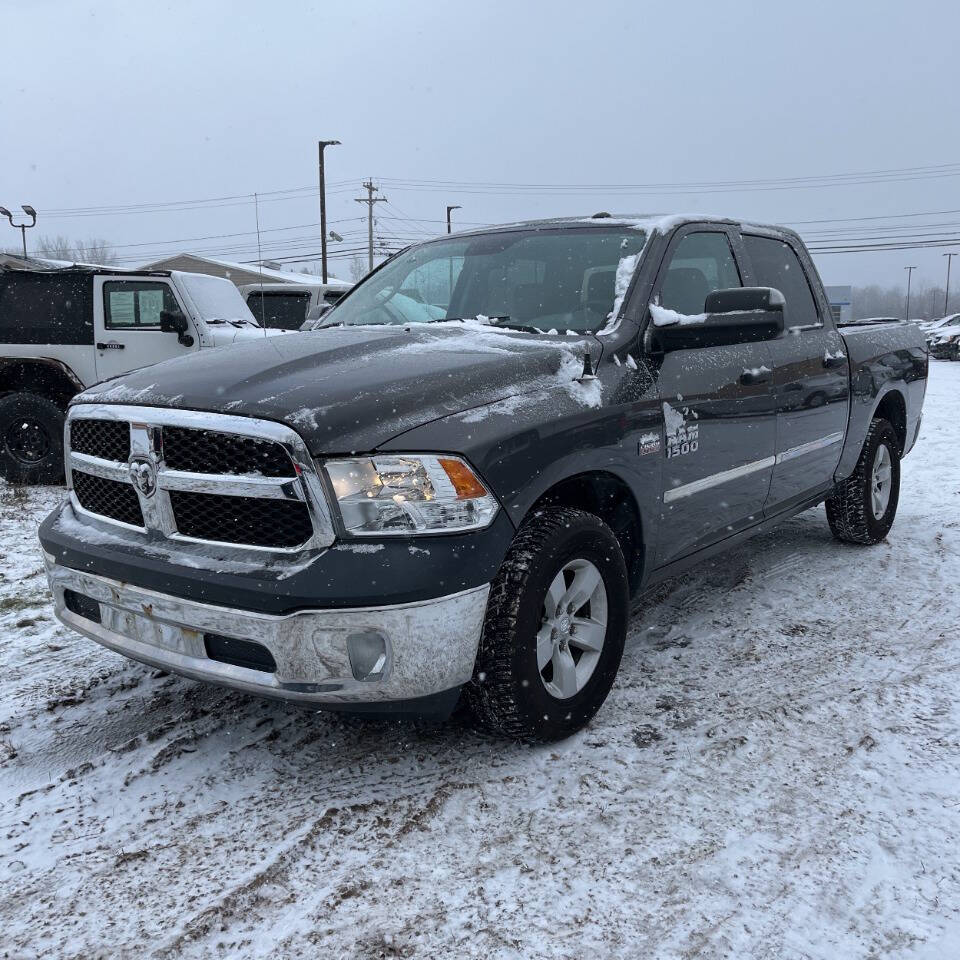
x,y
216,298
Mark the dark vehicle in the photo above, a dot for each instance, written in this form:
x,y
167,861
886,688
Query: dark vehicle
x,y
465,481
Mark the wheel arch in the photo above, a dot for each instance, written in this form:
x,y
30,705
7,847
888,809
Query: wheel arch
x,y
40,375
893,407
609,497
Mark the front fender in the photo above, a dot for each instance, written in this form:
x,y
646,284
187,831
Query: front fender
x,y
524,446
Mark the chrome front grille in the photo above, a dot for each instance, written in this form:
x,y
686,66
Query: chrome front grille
x,y
210,451
199,477
109,439
109,498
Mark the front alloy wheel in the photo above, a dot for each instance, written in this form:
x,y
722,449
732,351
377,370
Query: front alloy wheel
x,y
555,627
573,628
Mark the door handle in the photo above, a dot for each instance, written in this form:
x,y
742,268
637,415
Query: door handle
x,y
112,345
829,362
750,377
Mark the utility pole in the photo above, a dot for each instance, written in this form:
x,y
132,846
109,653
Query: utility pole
x,y
946,296
370,200
323,205
22,227
448,215
909,278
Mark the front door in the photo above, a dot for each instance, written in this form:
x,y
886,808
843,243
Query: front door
x,y
719,418
127,323
811,377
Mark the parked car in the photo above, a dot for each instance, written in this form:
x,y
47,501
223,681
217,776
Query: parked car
x,y
65,327
291,306
943,339
928,325
402,508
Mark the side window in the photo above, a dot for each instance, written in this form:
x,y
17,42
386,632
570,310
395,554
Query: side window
x,y
279,311
775,264
46,308
700,264
136,304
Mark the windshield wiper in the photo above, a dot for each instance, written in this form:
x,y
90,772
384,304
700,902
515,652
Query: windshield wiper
x,y
503,322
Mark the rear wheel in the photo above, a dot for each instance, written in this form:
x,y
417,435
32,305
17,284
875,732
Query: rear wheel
x,y
31,439
863,507
555,628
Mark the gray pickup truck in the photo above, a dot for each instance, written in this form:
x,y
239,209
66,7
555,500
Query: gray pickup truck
x,y
463,483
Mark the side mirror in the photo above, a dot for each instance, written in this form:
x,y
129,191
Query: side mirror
x,y
737,315
173,321
744,300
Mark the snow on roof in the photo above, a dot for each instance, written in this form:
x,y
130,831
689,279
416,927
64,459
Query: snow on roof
x,y
12,261
266,272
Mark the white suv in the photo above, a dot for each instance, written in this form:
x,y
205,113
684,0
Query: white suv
x,y
64,327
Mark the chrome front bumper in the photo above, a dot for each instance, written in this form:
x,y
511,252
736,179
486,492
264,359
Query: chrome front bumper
x,y
430,645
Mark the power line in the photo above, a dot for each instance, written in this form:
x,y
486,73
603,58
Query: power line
x,y
899,174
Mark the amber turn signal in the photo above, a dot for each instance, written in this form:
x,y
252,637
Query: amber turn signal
x,y
463,479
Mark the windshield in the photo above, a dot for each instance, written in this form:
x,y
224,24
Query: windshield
x,y
541,280
216,298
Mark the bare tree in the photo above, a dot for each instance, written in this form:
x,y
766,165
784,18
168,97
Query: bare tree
x,y
358,269
926,303
91,250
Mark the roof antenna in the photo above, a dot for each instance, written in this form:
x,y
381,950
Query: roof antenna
x,y
256,212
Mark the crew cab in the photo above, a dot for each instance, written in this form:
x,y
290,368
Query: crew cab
x,y
64,327
466,480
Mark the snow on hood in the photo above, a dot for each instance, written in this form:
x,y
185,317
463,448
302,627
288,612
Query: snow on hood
x,y
350,389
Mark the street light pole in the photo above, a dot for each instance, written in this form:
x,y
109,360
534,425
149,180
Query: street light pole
x,y
946,296
909,278
22,227
448,215
323,205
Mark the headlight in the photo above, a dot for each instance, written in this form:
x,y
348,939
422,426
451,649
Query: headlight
x,y
409,494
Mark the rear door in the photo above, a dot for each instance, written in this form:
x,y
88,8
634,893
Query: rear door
x,y
127,323
811,375
719,417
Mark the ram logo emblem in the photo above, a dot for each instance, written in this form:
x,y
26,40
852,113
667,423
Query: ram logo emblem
x,y
144,475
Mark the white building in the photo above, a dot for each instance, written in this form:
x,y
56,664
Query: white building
x,y
841,303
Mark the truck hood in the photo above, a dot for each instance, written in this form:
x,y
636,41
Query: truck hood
x,y
349,389
225,334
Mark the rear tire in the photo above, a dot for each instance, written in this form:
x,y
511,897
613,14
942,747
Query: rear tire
x,y
543,669
863,507
31,439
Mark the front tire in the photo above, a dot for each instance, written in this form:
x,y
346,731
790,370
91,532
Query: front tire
x,y
863,507
31,439
555,628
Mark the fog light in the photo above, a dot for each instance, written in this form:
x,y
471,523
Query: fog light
x,y
369,655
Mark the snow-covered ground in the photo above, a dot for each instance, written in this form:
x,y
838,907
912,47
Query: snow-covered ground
x,y
776,774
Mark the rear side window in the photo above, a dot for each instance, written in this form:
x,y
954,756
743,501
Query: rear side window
x,y
46,308
136,304
700,263
279,311
775,264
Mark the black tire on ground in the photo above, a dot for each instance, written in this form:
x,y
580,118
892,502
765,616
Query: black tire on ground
x,y
508,693
850,510
31,439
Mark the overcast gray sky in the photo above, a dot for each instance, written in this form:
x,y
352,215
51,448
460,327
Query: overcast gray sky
x,y
124,103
